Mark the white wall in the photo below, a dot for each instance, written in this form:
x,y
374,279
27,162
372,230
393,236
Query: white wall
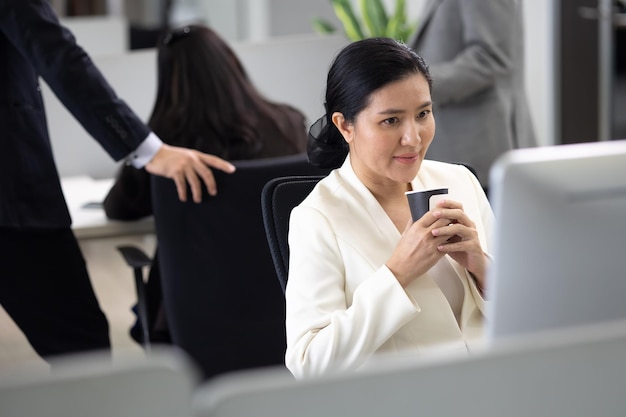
x,y
540,47
100,35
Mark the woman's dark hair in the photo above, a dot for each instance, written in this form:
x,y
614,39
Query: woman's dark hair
x,y
360,69
205,99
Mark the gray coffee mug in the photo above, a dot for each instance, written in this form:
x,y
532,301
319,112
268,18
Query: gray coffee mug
x,y
420,201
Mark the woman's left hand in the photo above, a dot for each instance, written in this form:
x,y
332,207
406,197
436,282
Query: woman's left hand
x,y
463,244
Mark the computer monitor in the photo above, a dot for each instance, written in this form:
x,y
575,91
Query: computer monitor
x,y
559,243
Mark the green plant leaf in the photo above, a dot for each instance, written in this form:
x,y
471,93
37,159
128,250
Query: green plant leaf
x,y
398,28
393,27
374,17
343,10
400,10
322,26
407,32
373,20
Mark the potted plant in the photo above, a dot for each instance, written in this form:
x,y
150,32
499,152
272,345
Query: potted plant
x,y
373,20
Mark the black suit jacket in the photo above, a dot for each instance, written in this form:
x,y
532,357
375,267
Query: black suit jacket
x,y
33,44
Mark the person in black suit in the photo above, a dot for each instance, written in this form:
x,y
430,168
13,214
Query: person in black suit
x,y
44,284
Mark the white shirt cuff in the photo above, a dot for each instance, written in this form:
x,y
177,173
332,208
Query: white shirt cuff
x,y
145,151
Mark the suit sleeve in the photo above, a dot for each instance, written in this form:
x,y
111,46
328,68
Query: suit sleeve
x,y
488,31
34,29
323,332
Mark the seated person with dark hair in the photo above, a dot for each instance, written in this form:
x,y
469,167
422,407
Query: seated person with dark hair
x,y
204,101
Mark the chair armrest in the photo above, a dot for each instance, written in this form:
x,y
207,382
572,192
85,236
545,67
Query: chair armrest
x,y
137,259
134,256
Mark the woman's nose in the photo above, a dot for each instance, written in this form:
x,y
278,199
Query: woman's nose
x,y
411,135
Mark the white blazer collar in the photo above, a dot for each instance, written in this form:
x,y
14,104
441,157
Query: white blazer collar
x,y
368,202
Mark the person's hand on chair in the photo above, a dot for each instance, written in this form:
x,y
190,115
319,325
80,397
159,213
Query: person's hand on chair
x,y
188,166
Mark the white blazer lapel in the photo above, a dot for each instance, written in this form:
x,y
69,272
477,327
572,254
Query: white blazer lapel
x,y
366,207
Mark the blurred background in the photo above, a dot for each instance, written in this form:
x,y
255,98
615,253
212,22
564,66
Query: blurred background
x,y
575,49
575,83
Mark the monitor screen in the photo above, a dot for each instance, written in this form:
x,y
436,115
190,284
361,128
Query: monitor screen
x,y
560,238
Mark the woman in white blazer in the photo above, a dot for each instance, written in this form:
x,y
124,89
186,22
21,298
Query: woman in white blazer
x,y
364,278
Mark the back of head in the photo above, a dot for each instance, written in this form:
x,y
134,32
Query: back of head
x,y
360,69
204,97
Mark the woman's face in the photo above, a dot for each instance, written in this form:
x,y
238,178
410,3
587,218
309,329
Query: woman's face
x,y
389,138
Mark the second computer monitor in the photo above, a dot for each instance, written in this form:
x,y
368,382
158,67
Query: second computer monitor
x,y
560,238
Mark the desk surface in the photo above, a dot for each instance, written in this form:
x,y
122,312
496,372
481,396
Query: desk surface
x,y
90,221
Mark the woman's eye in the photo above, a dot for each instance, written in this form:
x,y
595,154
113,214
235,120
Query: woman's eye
x,y
423,114
390,120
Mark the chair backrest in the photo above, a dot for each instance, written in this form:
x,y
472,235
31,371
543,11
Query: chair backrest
x,y
223,301
278,197
562,375
95,385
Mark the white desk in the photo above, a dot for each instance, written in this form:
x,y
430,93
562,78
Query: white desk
x,y
91,222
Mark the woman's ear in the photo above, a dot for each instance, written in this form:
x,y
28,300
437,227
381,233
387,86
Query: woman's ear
x,y
345,128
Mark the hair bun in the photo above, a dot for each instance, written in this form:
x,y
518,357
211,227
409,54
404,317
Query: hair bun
x,y
326,147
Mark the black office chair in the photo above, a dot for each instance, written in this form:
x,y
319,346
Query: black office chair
x,y
222,299
278,197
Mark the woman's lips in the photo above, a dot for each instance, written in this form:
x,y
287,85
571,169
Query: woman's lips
x,y
407,159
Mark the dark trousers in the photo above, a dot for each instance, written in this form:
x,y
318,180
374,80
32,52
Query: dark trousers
x,y
45,288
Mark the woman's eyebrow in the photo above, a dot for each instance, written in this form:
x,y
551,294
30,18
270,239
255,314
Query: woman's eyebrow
x,y
396,111
391,111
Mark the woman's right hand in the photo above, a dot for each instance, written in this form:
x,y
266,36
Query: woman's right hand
x,y
417,252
